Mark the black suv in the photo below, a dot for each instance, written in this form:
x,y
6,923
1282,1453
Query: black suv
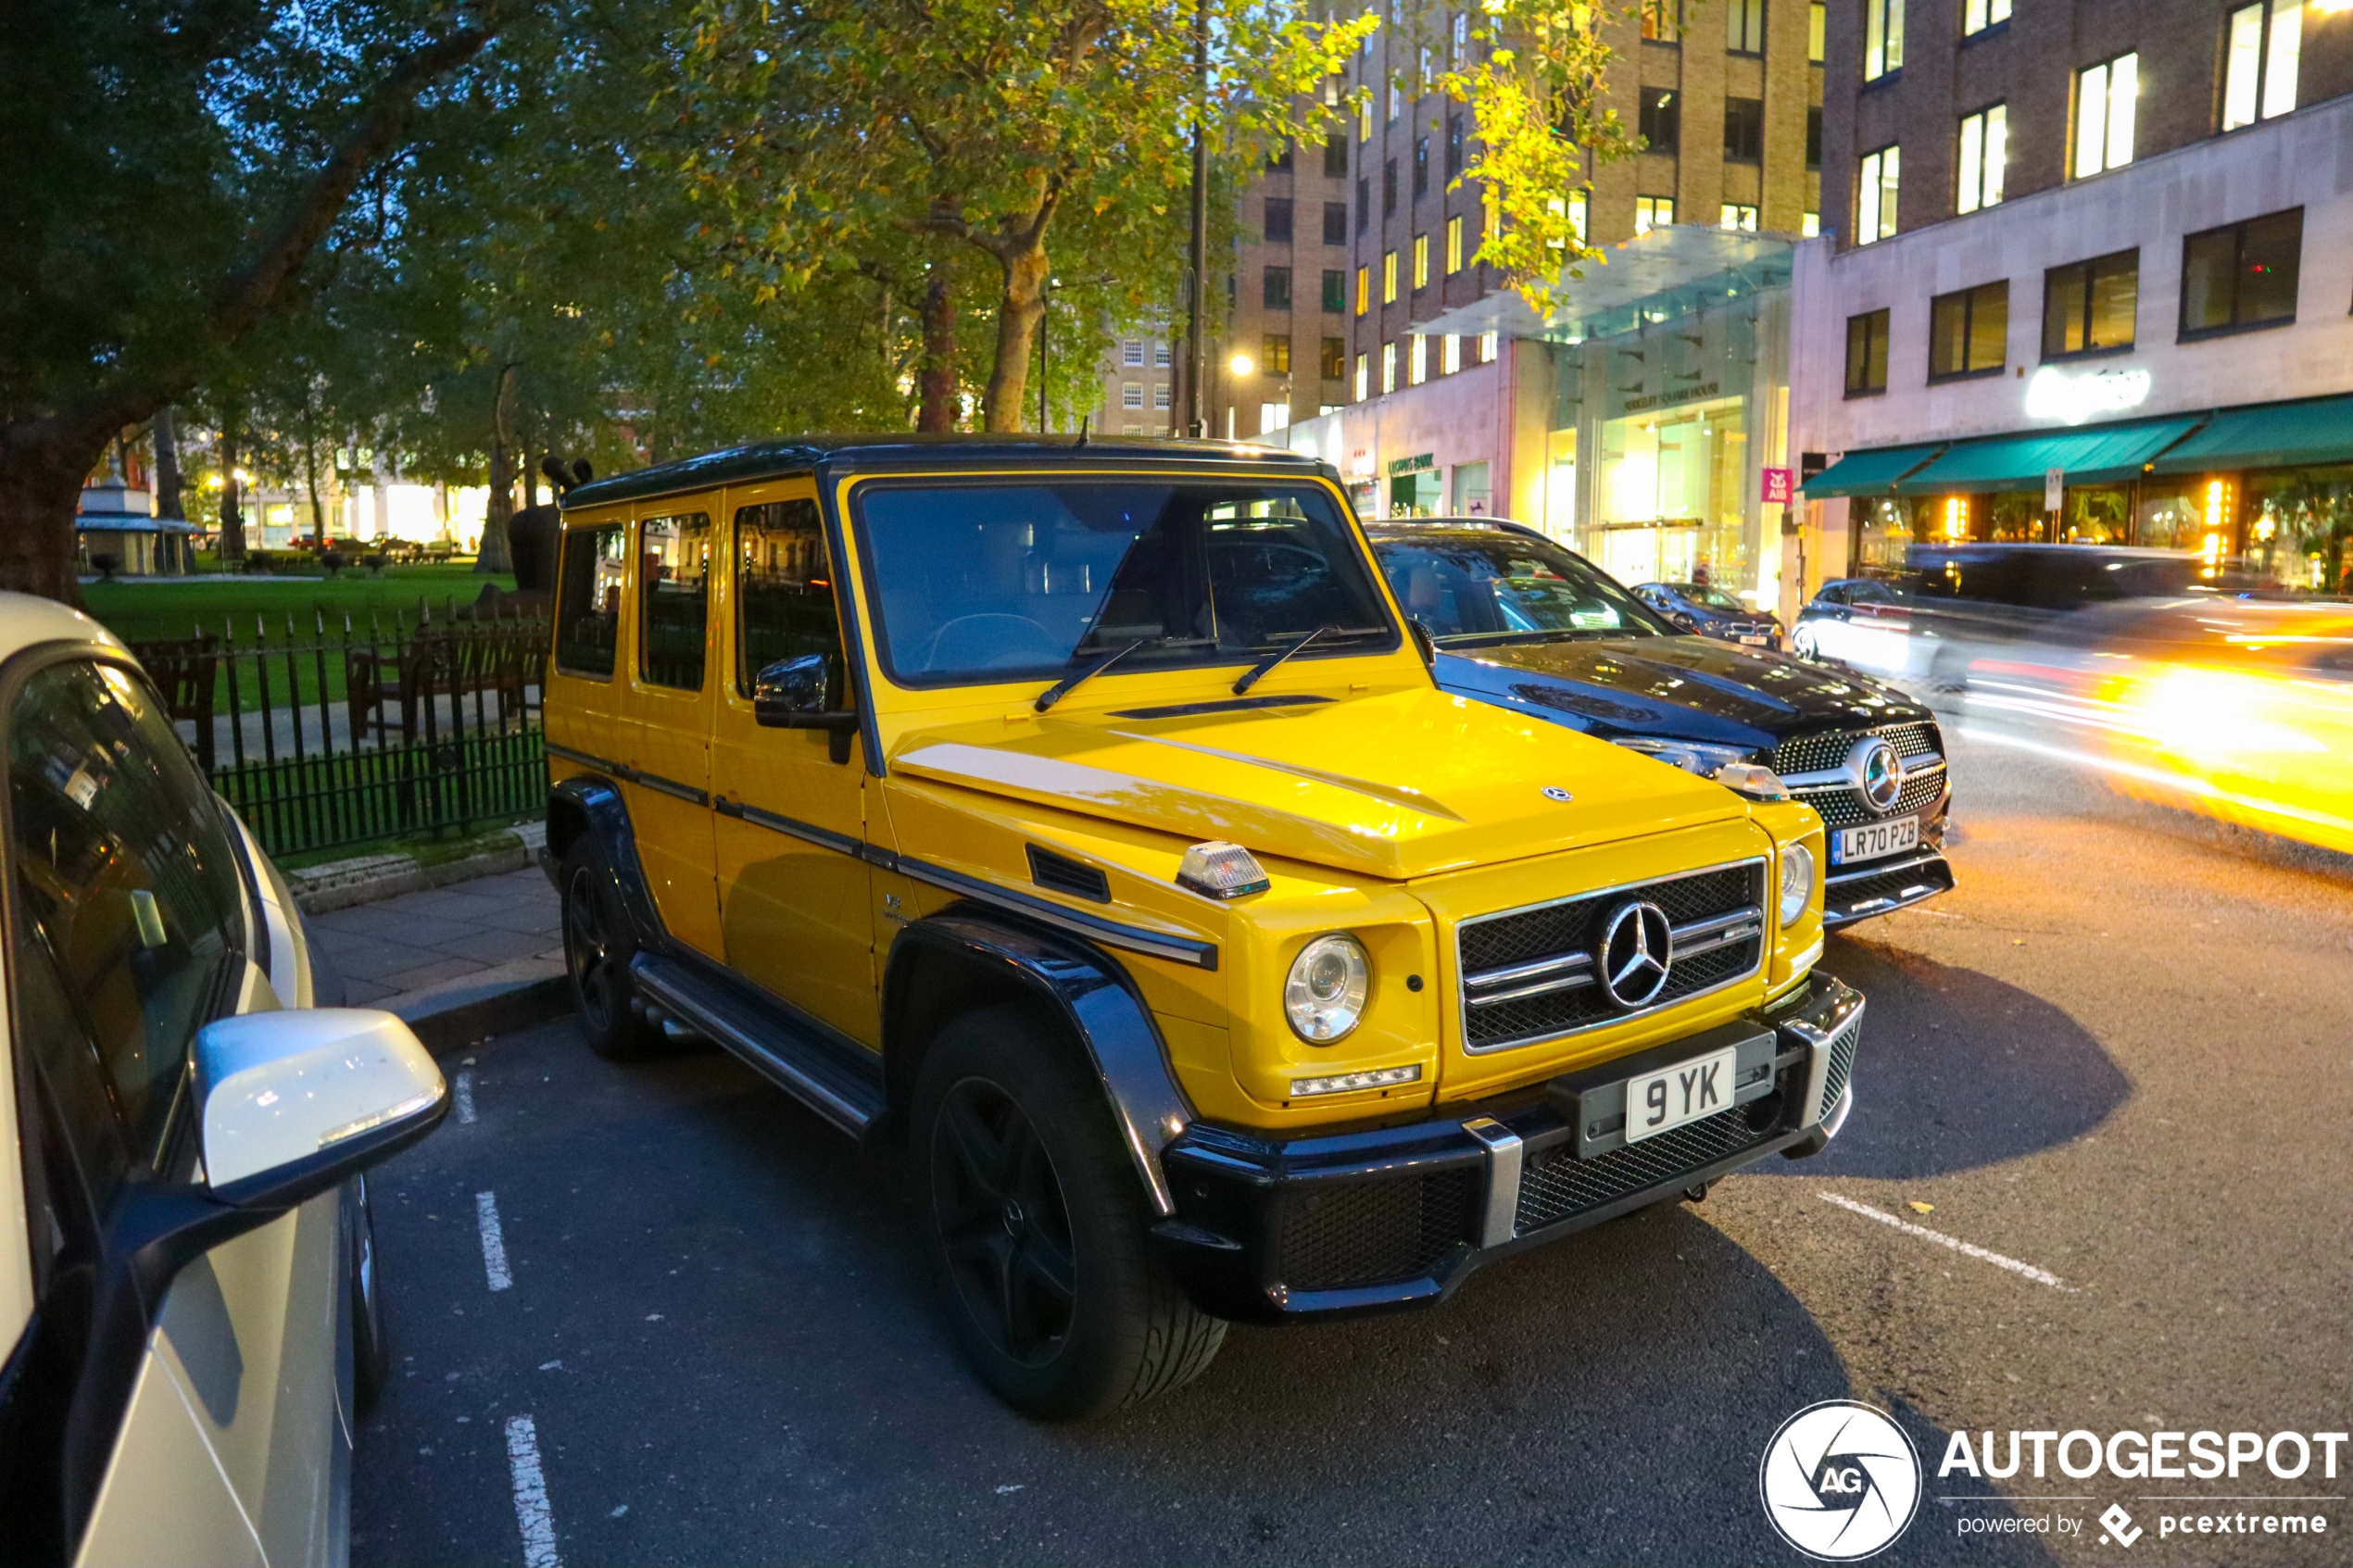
x,y
1524,623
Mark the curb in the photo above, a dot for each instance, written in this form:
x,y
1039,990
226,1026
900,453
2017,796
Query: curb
x,y
340,884
465,1011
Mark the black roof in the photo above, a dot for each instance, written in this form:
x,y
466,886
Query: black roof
x,y
772,459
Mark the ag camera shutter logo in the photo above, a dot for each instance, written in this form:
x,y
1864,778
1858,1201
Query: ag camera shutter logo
x,y
1839,1481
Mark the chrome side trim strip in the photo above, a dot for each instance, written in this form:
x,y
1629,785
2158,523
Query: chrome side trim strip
x,y
1505,1153
791,827
628,774
585,759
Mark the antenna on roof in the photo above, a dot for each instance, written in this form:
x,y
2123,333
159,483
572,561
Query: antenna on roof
x,y
1084,421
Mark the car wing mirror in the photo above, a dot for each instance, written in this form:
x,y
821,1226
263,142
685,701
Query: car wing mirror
x,y
1425,643
790,695
290,1104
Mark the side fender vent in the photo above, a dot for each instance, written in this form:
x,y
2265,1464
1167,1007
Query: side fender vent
x,y
1063,874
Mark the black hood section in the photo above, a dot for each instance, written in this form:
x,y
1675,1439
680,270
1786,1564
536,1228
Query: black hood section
x,y
1681,688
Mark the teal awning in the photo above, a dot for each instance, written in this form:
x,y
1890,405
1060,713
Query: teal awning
x,y
2107,454
2275,435
1868,473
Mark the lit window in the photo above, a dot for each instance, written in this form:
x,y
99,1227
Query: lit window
x,y
1810,225
1454,244
2259,61
1421,261
1462,36
1653,212
2090,306
1273,416
2103,102
1388,368
1132,352
1131,395
1969,332
1866,354
1450,355
1874,195
1273,353
1487,346
1364,117
1985,148
1396,98
1979,14
1389,277
1364,376
1577,215
1364,290
1663,20
1746,26
1817,28
1736,216
1417,360
1882,38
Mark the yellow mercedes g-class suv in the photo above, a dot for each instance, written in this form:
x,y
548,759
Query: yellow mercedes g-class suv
x,y
1081,821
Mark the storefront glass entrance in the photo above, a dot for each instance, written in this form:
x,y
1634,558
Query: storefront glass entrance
x,y
1671,501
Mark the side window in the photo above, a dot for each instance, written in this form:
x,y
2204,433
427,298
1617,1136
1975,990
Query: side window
x,y
130,905
675,580
589,601
785,605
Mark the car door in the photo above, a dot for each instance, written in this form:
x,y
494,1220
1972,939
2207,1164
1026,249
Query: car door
x,y
213,1434
792,805
662,729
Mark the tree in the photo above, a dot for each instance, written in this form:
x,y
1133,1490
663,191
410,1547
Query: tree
x,y
165,190
835,127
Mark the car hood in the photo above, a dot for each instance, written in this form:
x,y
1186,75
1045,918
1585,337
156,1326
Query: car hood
x,y
1647,685
1394,785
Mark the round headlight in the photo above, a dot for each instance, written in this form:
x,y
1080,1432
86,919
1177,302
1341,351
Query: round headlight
x,y
1797,880
1325,994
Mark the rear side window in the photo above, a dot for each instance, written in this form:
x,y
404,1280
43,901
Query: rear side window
x,y
589,601
130,905
676,587
784,604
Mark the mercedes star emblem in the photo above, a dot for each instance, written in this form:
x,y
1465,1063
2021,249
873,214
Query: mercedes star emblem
x,y
1878,772
1635,952
1555,791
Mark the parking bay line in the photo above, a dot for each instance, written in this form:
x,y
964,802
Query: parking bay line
x,y
2040,1276
532,1515
465,1096
494,1241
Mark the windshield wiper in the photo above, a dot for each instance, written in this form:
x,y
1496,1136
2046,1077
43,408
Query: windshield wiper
x,y
1069,683
1249,677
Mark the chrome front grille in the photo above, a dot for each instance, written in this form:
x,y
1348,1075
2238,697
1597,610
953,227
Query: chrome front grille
x,y
1842,805
1814,754
1528,975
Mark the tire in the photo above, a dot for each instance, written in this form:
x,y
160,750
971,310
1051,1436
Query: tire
x,y
1032,1219
597,948
371,1340
1800,643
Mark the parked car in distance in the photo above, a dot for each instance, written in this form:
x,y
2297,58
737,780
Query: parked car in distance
x,y
1836,599
1530,625
1957,606
189,1302
1082,820
1711,612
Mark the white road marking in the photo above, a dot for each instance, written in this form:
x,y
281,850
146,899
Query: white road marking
x,y
494,1241
532,1513
465,1097
2040,1276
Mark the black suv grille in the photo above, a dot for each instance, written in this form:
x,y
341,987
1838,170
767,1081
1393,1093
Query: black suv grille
x,y
1845,808
1556,1184
1378,1232
1814,754
1569,931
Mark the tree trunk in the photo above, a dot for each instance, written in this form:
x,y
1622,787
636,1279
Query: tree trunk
x,y
233,511
935,382
494,557
1019,309
41,475
310,484
168,502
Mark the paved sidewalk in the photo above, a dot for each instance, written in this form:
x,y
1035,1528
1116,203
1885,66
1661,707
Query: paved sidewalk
x,y
455,961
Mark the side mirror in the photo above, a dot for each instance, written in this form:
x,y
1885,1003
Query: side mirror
x,y
790,695
1682,622
1423,642
292,1103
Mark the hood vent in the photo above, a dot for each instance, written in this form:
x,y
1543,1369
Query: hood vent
x,y
1061,874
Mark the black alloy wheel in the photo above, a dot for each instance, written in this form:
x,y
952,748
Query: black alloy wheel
x,y
1003,1223
597,954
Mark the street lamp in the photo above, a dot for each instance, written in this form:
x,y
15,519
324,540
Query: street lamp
x,y
1241,365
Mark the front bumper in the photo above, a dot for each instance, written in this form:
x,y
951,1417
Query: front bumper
x,y
1272,1231
1877,889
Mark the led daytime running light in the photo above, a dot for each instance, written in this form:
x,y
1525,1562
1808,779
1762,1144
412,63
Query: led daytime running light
x,y
1342,1083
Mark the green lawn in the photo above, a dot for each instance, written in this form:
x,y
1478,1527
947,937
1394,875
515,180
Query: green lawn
x,y
145,609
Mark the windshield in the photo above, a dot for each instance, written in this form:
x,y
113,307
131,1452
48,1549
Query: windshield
x,y
1714,598
1496,586
1006,582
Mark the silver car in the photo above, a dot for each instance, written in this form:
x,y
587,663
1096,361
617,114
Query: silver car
x,y
188,1299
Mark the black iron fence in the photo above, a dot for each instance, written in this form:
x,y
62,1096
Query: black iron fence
x,y
323,736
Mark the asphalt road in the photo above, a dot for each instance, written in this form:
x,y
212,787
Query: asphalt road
x,y
2116,1057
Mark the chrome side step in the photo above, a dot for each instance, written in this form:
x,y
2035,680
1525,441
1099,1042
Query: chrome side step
x,y
791,1055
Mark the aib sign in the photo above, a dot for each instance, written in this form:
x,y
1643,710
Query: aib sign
x,y
1779,485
